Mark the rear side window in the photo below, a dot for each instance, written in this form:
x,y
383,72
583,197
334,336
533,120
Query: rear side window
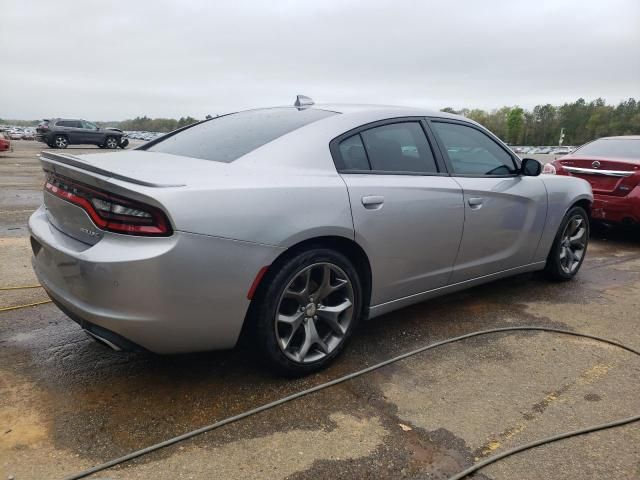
x,y
353,154
472,152
394,148
68,123
226,138
399,147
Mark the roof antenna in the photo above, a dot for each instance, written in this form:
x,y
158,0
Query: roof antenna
x,y
303,101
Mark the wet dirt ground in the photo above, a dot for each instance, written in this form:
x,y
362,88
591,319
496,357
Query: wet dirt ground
x,y
67,403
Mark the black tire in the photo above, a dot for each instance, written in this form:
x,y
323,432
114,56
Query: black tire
x,y
111,142
558,267
268,302
60,141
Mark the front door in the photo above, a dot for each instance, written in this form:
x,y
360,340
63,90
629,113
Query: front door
x,y
504,211
90,133
407,213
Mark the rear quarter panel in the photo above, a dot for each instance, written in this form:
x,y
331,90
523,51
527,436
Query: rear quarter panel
x,y
278,209
562,193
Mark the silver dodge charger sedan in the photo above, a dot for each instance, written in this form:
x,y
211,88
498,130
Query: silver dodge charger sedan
x,y
291,224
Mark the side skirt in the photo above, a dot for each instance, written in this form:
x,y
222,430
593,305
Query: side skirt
x,y
377,310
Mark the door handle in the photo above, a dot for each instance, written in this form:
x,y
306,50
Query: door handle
x,y
475,202
373,202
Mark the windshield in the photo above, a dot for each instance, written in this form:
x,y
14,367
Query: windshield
x,y
612,147
226,138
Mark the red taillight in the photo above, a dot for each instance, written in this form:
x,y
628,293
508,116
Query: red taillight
x,y
110,212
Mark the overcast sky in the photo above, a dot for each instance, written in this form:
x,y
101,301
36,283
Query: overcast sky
x,y
114,60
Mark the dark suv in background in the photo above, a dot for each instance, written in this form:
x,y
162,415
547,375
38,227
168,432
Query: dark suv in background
x,y
62,132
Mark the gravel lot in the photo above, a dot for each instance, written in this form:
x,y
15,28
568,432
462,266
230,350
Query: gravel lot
x,y
67,403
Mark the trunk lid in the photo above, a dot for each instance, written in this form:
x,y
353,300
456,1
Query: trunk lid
x,y
136,175
149,169
607,176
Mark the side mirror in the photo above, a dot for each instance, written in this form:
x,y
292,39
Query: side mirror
x,y
530,167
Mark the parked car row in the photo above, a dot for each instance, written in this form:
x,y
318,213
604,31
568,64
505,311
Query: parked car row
x,y
145,136
543,150
18,133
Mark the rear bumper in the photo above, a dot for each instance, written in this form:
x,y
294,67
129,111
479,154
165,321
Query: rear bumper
x,y
614,209
175,294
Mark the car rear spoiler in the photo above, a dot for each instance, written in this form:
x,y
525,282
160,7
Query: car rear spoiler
x,y
52,158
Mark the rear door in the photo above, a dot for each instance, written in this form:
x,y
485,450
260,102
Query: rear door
x,y
70,128
407,212
504,212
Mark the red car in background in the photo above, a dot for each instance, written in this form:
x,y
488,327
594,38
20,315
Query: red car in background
x,y
612,166
5,142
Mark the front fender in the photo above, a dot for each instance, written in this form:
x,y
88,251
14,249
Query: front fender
x,y
562,193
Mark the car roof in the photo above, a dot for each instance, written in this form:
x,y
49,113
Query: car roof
x,y
621,137
393,110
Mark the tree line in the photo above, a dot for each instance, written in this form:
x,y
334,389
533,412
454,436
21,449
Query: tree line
x,y
580,121
151,124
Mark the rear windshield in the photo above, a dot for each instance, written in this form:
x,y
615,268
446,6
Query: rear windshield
x,y
226,138
612,147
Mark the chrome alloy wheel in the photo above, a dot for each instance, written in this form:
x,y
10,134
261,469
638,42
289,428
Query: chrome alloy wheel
x,y
61,142
573,244
314,312
111,142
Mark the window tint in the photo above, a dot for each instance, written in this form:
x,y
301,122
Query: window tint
x,y
88,125
399,147
612,147
68,123
226,138
472,152
353,154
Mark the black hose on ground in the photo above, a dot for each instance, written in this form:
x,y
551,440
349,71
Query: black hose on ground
x,y
468,471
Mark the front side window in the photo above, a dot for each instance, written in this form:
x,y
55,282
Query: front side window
x,y
472,152
227,138
88,125
395,148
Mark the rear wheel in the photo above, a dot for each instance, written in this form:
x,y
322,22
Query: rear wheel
x,y
111,142
570,245
308,311
61,141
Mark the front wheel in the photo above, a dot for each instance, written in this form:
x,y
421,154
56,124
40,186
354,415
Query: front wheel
x,y
570,245
111,142
308,311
